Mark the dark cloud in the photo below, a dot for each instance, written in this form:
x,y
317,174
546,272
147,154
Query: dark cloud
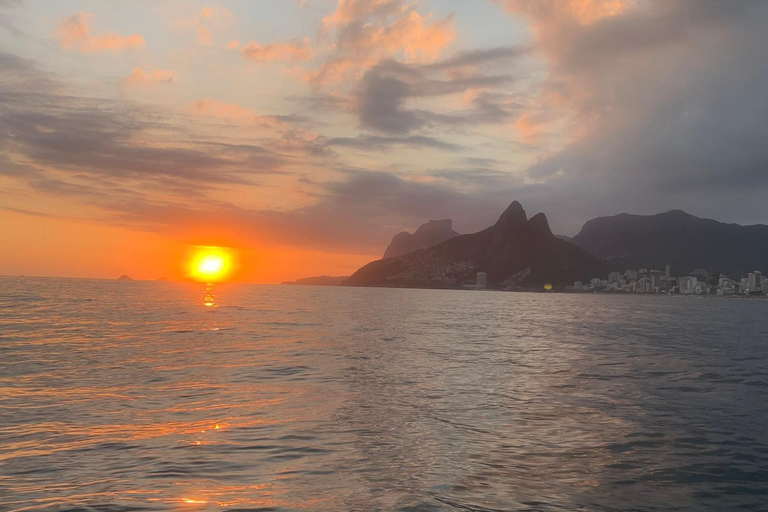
x,y
41,125
359,212
388,86
671,101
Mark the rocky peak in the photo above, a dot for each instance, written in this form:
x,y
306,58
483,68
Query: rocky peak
x,y
539,226
514,216
428,234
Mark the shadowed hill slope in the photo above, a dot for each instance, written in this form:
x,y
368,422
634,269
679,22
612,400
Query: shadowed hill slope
x,y
515,253
684,241
429,234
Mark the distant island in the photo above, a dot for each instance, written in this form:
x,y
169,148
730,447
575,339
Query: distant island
x,y
319,281
124,277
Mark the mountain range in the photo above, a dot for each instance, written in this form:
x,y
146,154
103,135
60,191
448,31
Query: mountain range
x,y
522,253
429,234
515,253
677,238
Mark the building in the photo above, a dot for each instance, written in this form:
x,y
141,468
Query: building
x,y
765,286
668,273
755,282
688,285
655,280
482,281
631,275
578,286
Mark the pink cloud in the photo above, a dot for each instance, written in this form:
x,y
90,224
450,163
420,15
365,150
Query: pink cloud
x,y
74,33
292,51
206,21
147,78
231,112
368,30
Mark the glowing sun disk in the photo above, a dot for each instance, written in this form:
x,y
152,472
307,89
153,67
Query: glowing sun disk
x,y
211,264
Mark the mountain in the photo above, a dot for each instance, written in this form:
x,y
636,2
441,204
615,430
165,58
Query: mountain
x,y
124,278
515,253
677,238
429,234
319,281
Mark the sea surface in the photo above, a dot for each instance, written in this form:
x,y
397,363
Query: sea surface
x,y
131,396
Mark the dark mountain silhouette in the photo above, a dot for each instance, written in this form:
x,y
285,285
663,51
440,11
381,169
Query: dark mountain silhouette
x,y
515,253
124,278
429,234
684,241
319,281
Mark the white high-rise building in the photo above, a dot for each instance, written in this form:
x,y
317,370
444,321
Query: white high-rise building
x,y
755,283
688,285
482,281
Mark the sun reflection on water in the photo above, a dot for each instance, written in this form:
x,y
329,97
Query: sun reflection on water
x,y
209,297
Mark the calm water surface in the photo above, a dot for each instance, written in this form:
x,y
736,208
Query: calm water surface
x,y
135,396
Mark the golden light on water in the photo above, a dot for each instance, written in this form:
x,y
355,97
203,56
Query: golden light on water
x,y
211,264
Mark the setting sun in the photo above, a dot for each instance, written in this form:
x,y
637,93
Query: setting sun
x,y
211,264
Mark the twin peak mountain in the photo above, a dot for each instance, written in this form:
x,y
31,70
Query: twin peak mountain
x,y
515,253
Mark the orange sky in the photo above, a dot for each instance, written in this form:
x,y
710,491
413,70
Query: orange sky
x,y
57,247
305,134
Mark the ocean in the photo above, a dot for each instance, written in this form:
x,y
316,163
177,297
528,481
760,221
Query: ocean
x,y
132,396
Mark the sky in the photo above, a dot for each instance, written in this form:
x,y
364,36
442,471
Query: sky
x,y
304,134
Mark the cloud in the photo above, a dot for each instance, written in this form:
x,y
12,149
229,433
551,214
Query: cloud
x,y
386,87
92,140
358,213
366,31
293,51
74,33
140,169
659,104
376,143
7,21
206,21
140,77
240,115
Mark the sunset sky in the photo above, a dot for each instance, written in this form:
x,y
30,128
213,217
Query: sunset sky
x,y
305,134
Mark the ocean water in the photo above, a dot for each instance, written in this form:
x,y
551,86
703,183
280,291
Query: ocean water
x,y
133,396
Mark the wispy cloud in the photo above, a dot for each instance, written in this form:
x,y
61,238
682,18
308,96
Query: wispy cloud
x,y
298,50
206,21
75,34
140,77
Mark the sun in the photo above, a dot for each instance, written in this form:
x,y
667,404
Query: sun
x,y
211,264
